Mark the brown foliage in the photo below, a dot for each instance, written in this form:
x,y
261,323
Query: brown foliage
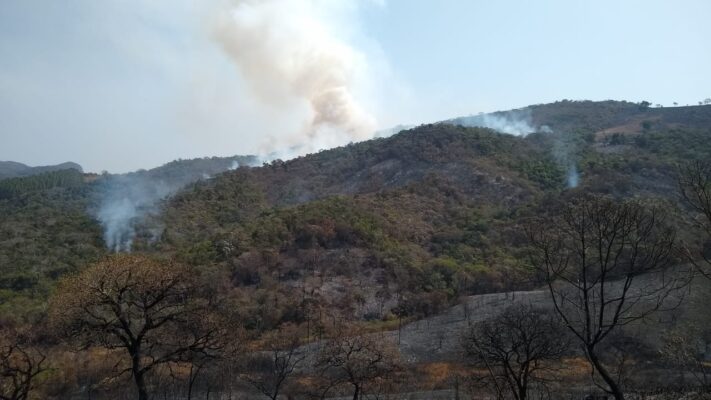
x,y
150,308
270,370
358,360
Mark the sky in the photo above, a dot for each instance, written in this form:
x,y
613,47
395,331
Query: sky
x,y
119,85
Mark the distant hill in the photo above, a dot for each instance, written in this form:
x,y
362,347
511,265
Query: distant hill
x,y
589,116
11,169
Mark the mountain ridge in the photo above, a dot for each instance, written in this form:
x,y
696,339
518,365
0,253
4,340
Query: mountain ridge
x,y
13,169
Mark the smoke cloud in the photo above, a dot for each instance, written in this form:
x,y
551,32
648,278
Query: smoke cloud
x,y
516,122
292,61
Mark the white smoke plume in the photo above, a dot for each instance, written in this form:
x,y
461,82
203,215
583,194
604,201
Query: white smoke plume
x,y
293,61
516,122
124,202
564,151
573,176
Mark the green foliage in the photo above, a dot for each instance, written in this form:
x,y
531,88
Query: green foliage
x,y
545,172
44,234
676,145
68,178
422,217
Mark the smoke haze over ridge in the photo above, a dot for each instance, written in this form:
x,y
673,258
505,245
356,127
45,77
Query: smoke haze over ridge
x,y
171,79
119,85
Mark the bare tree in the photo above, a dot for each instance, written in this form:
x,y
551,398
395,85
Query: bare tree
x,y
20,363
518,349
270,369
694,180
357,359
145,307
605,265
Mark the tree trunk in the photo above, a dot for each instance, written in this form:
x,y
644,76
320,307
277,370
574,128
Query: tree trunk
x,y
614,387
141,385
194,372
138,374
356,393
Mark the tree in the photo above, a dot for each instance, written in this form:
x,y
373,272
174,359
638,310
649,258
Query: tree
x,y
694,181
605,265
146,307
357,359
270,369
20,363
517,349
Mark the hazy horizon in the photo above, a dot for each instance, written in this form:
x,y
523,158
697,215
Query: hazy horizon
x,y
123,85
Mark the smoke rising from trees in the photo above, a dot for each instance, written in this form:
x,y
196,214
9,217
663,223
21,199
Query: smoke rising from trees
x,y
125,201
516,122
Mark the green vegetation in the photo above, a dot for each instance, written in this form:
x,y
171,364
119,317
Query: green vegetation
x,y
371,234
45,233
426,215
68,178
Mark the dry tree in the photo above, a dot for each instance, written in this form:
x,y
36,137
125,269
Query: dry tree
x,y
606,264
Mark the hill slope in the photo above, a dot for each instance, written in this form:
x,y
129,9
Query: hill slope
x,y
400,224
419,218
50,223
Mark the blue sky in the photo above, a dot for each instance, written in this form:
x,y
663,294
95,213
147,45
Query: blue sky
x,y
127,84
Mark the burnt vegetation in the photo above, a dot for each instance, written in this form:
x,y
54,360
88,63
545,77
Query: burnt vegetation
x,y
296,279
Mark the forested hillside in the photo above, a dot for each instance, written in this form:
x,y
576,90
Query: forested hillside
x,y
433,207
371,235
11,169
49,225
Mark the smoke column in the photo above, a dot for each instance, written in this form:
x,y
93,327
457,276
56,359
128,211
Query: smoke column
x,y
573,177
564,151
125,201
292,61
